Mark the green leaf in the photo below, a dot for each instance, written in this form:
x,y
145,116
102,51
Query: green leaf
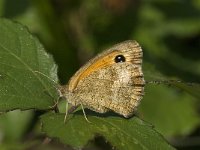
x,y
20,119
26,72
121,133
171,112
171,105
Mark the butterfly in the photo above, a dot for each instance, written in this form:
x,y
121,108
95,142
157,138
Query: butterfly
x,y
111,81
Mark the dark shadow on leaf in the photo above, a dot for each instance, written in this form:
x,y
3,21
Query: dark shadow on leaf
x,y
104,115
102,143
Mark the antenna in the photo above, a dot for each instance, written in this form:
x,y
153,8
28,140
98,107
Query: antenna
x,y
45,76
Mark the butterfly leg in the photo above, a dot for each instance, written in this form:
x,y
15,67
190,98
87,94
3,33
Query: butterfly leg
x,y
84,113
69,110
66,111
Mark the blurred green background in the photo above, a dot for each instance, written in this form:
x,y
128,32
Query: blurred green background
x,y
73,31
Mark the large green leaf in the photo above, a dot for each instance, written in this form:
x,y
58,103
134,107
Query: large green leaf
x,y
171,112
170,105
26,70
121,133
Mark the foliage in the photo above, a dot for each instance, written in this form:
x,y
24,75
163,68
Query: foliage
x,y
73,31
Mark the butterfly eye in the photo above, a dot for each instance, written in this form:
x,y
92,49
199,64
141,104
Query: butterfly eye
x,y
120,58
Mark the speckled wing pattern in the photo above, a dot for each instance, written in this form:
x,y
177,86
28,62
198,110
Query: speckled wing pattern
x,y
103,85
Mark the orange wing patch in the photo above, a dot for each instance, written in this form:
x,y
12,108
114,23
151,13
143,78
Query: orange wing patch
x,y
105,61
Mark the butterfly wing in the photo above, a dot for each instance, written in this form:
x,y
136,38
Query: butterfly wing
x,y
111,81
